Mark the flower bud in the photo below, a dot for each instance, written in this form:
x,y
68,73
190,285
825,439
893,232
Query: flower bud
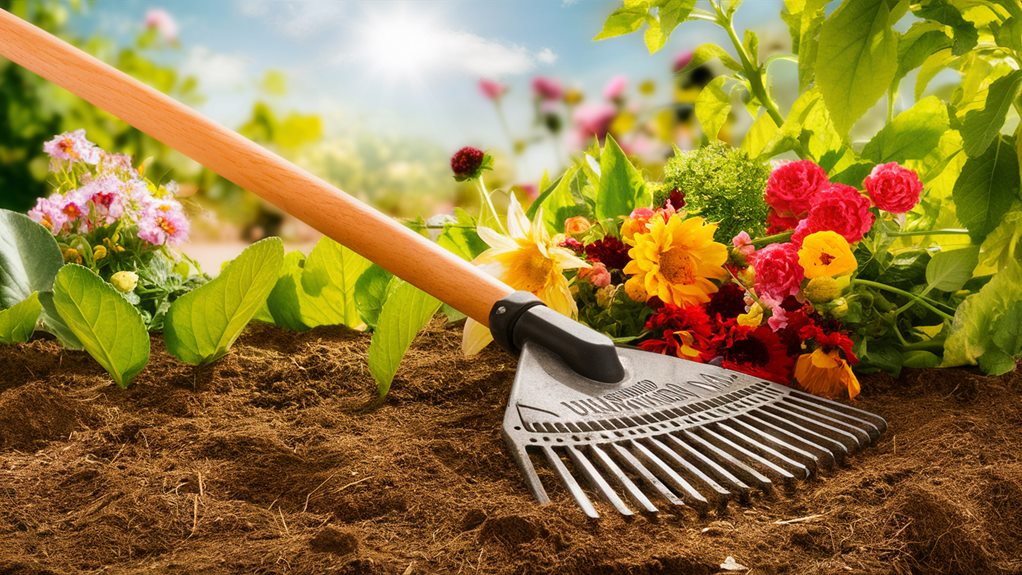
x,y
71,255
576,225
822,289
605,295
125,282
98,253
468,163
839,308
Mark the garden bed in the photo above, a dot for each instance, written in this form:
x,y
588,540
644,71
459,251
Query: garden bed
x,y
274,461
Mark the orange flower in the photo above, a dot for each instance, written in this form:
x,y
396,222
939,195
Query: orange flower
x,y
576,225
826,373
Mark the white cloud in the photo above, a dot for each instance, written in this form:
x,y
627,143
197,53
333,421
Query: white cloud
x,y
298,19
546,56
216,71
476,55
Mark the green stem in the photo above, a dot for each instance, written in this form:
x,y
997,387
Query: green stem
x,y
752,71
776,238
927,345
942,232
902,292
488,203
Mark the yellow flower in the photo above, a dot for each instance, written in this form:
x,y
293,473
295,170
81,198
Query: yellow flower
x,y
125,282
527,259
752,318
826,373
675,261
826,253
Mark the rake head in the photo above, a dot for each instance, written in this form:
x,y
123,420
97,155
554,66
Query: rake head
x,y
672,432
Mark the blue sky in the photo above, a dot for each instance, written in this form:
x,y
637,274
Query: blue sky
x,y
353,61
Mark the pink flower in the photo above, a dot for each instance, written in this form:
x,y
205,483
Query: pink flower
x,y
792,185
615,88
893,188
778,273
163,223
49,213
598,274
743,244
163,22
73,147
491,89
593,120
777,223
842,209
531,191
547,88
801,231
681,60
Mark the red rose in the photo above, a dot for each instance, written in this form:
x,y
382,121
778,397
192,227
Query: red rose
x,y
842,209
778,273
777,223
792,186
893,188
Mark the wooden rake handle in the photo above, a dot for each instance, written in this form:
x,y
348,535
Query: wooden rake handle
x,y
294,190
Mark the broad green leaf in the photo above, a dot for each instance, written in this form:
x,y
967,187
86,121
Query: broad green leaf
x,y
654,36
406,310
29,260
624,20
706,52
18,321
1004,244
328,281
980,127
935,64
202,325
547,189
920,42
760,137
712,107
370,293
622,187
971,333
461,237
912,135
986,189
965,34
920,359
1007,340
111,329
810,123
284,304
948,271
858,57
560,199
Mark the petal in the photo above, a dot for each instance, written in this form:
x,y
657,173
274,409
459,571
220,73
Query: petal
x,y
517,224
475,337
495,240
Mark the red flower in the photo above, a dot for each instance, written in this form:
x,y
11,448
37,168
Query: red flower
x,y
829,341
574,245
609,250
757,351
792,186
778,273
468,163
777,223
727,303
683,332
842,209
547,88
893,188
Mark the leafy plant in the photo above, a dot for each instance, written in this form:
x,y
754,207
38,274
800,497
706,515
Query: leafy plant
x,y
405,312
18,322
202,325
110,329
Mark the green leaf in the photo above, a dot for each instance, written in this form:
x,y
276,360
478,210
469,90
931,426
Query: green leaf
x,y
980,127
370,293
920,359
971,333
622,187
859,55
461,237
542,197
920,42
912,135
986,189
712,107
202,325
111,329
18,321
561,202
1004,243
624,20
284,302
706,52
759,140
406,310
965,34
804,18
328,281
948,271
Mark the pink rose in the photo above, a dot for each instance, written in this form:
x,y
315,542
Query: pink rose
x,y
491,89
801,231
743,244
598,274
547,88
842,209
615,88
777,223
792,185
778,273
893,188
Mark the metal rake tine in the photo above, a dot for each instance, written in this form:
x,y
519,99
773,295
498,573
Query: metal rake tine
x,y
777,470
698,500
864,437
793,429
521,455
821,452
864,424
630,487
569,481
722,493
647,475
724,457
765,451
712,466
786,446
783,413
594,478
879,422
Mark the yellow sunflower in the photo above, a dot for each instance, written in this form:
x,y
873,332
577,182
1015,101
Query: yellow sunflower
x,y
527,259
675,261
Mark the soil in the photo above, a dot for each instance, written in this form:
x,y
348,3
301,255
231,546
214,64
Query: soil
x,y
274,460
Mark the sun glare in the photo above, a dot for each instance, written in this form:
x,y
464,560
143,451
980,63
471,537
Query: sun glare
x,y
401,46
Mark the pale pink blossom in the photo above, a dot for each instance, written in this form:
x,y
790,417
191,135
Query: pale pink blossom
x,y
593,120
547,88
743,244
492,89
72,147
161,20
681,60
615,88
597,274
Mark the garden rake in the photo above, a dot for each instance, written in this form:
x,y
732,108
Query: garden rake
x,y
642,430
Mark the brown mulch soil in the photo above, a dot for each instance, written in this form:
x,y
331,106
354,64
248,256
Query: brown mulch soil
x,y
273,461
